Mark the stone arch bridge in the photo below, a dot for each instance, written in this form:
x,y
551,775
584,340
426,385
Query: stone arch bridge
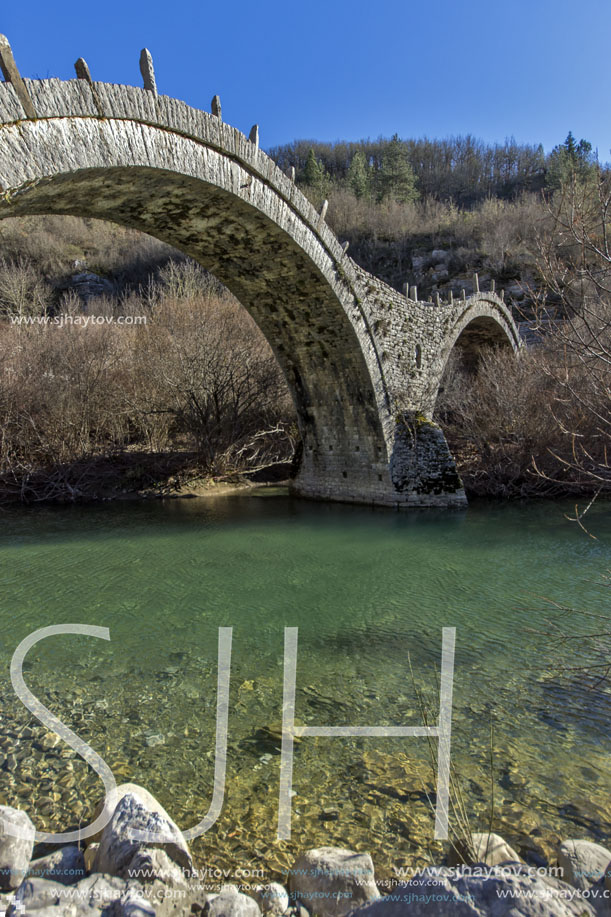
x,y
363,362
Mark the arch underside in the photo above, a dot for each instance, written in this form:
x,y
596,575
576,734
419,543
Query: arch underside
x,y
481,334
486,324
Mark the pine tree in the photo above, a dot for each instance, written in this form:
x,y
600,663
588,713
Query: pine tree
x,y
359,176
570,160
396,179
314,174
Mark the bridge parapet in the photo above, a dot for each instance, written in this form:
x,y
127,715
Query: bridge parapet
x,y
54,98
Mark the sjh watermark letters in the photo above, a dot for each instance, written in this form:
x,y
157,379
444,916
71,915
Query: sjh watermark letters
x,y
442,732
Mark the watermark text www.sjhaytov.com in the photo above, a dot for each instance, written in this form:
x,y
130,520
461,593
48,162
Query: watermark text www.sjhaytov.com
x,y
65,320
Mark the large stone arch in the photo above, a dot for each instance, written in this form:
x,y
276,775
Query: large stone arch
x,y
345,340
203,202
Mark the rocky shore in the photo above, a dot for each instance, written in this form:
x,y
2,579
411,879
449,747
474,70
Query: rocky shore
x,y
122,872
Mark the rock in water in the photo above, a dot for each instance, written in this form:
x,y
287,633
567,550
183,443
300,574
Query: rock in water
x,y
92,897
118,846
154,865
66,865
507,892
269,737
272,899
232,903
490,849
107,806
582,862
15,852
163,881
332,882
133,904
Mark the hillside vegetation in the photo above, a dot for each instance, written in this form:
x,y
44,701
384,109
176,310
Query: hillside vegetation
x,y
434,212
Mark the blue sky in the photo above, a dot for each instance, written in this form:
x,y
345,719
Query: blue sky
x,y
346,70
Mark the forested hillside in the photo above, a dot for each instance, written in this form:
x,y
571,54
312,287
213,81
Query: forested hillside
x,y
433,212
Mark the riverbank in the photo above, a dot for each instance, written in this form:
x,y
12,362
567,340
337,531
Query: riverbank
x,y
138,475
134,475
152,874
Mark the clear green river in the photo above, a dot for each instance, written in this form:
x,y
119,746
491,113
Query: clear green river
x,y
370,592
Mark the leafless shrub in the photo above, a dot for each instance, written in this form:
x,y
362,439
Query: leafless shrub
x,y
215,375
513,428
22,290
54,243
495,422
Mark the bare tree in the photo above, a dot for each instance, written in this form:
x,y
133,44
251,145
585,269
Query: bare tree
x,y
215,375
573,251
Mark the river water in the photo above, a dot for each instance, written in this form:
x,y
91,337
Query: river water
x,y
370,592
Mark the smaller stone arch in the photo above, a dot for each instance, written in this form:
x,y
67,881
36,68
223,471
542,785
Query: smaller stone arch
x,y
485,322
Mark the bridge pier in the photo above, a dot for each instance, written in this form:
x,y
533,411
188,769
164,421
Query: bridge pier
x,y
415,470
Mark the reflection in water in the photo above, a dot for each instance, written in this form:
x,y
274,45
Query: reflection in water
x,y
370,591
